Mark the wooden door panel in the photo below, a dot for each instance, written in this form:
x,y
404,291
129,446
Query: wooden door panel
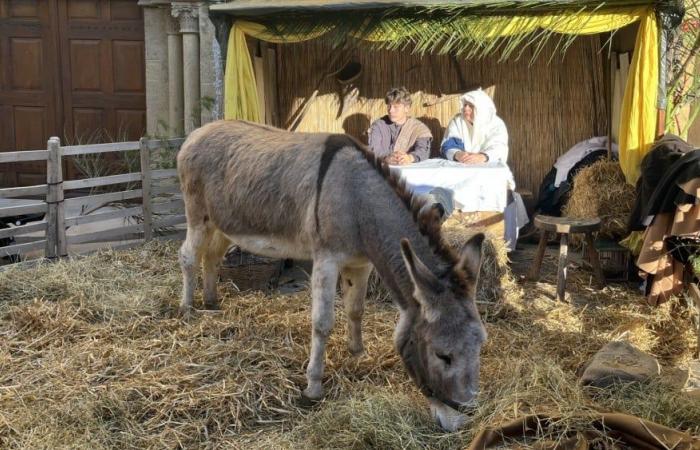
x,y
125,10
131,124
83,9
85,57
26,63
87,124
23,8
30,127
128,63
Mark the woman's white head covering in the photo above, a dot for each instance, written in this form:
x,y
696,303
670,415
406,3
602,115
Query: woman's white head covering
x,y
484,112
484,108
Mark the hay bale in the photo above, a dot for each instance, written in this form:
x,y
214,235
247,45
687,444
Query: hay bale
x,y
600,190
496,282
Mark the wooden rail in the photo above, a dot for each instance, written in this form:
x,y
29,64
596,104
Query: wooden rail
x,y
147,209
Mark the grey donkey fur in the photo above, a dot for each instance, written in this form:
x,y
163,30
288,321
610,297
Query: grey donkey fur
x,y
325,197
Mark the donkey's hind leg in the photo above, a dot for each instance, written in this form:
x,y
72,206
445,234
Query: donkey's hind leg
x,y
354,291
191,252
211,261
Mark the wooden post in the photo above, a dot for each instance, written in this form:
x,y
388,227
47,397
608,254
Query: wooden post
x,y
146,190
541,248
56,244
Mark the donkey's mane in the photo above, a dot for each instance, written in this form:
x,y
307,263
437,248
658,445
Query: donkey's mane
x,y
428,220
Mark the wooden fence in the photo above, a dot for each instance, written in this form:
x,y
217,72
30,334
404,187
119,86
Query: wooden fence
x,y
154,207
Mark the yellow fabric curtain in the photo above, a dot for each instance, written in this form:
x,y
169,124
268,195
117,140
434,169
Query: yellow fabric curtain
x,y
241,94
638,117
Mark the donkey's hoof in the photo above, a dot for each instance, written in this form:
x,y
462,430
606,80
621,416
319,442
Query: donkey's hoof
x,y
356,351
185,312
306,402
212,306
312,394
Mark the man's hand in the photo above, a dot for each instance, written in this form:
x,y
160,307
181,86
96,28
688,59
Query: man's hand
x,y
470,158
399,159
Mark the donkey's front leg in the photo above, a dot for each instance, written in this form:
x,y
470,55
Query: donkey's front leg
x,y
354,293
323,283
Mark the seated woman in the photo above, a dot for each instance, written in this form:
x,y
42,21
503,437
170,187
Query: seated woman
x,y
477,134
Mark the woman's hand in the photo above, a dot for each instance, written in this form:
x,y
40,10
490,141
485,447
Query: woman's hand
x,y
471,158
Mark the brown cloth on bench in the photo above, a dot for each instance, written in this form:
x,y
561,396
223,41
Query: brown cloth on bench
x,y
629,432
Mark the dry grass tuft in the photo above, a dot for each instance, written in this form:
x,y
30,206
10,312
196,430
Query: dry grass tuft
x,y
93,356
600,190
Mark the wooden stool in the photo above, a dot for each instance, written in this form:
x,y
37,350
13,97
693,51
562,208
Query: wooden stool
x,y
564,226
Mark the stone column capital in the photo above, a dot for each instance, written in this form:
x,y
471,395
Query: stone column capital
x,y
188,15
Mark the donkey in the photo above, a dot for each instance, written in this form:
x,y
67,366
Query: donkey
x,y
325,197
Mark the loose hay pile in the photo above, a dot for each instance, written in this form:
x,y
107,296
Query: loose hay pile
x,y
92,356
600,190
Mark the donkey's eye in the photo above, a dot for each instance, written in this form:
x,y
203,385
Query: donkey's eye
x,y
445,358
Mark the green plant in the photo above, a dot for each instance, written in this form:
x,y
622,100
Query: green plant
x,y
684,82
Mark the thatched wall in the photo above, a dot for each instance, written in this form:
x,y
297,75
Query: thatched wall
x,y
547,105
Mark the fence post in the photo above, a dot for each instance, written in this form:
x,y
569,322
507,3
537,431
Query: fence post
x,y
56,244
146,189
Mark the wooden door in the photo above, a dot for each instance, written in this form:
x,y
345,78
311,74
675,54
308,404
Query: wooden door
x,y
103,70
29,86
68,68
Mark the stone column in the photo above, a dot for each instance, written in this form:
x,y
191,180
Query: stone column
x,y
155,20
188,13
175,87
210,71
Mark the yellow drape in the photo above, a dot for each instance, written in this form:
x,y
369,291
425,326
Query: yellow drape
x,y
241,93
638,117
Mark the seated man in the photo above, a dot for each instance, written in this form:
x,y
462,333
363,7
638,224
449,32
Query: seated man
x,y
397,137
477,134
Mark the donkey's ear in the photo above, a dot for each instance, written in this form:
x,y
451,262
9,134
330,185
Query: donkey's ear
x,y
470,257
422,277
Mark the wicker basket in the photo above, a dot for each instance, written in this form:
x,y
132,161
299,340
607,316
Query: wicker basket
x,y
250,272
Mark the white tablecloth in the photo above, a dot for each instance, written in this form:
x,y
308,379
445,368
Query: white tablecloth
x,y
478,187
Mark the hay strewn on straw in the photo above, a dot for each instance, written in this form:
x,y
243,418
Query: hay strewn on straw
x,y
600,190
92,356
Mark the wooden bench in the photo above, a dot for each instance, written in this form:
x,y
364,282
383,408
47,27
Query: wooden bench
x,y
564,226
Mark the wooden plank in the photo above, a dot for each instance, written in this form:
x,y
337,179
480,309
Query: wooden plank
x,y
110,234
158,190
172,205
146,188
10,211
19,249
163,173
22,229
271,97
73,150
91,218
259,71
39,189
101,199
29,155
102,181
170,221
157,144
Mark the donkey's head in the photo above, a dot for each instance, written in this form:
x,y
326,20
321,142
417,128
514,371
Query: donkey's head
x,y
439,336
